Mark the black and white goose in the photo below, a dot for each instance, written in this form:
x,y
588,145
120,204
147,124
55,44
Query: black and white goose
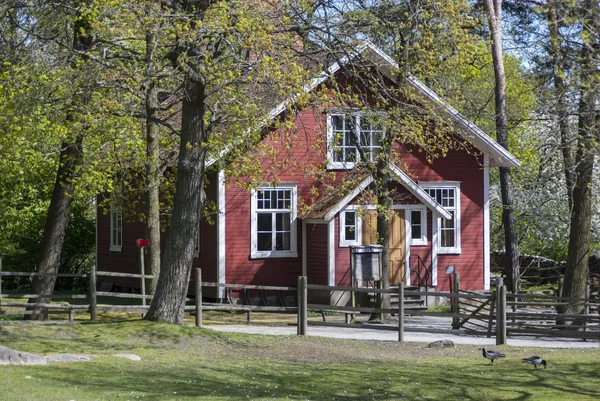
x,y
535,361
491,354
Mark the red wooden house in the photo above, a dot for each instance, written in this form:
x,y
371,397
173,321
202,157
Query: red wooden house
x,y
273,234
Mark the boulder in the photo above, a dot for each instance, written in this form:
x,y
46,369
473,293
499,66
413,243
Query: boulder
x,y
12,357
441,344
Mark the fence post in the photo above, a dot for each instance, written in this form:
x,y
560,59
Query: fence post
x,y
586,307
501,315
198,297
93,300
491,316
401,312
302,306
143,278
455,304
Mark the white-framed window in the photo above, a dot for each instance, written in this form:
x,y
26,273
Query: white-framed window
x,y
273,222
448,196
343,129
418,225
116,229
350,227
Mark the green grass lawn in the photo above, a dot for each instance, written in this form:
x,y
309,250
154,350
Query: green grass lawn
x,y
187,363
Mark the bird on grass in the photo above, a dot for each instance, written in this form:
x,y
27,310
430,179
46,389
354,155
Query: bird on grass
x,y
491,354
535,361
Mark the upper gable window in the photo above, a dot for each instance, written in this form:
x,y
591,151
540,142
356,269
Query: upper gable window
x,y
345,132
273,222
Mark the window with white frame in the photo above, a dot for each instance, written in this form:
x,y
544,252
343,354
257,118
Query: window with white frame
x,y
448,196
343,130
116,229
350,227
418,226
273,222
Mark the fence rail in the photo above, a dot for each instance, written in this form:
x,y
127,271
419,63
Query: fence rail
x,y
495,313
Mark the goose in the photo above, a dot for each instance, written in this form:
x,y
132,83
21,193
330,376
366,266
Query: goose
x,y
491,354
535,361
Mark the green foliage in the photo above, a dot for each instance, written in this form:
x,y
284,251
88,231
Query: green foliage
x,y
78,250
439,309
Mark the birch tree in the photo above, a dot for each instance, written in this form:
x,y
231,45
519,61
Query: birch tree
x,y
494,14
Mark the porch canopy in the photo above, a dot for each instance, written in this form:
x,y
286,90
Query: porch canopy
x,y
357,180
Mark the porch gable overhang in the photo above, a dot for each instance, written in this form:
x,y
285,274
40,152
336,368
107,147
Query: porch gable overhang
x,y
332,204
419,192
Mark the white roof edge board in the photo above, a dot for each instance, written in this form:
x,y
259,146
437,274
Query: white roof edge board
x,y
482,141
277,110
419,192
500,156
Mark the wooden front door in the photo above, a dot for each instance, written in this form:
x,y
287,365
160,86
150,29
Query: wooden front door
x,y
397,244
397,247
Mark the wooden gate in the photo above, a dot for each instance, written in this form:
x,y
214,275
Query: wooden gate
x,y
479,314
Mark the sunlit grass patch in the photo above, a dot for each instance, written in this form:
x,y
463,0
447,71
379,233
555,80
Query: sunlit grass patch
x,y
188,363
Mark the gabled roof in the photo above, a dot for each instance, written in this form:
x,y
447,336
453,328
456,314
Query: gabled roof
x,y
498,155
355,182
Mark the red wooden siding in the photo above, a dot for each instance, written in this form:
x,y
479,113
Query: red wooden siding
x,y
342,259
317,254
126,261
467,169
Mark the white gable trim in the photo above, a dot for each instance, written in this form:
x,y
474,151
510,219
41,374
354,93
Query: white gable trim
x,y
406,181
417,191
348,198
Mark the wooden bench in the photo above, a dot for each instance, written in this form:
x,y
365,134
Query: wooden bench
x,y
52,308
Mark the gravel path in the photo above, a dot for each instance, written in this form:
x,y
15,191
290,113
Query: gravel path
x,y
379,335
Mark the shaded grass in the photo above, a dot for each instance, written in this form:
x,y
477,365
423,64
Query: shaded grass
x,y
187,363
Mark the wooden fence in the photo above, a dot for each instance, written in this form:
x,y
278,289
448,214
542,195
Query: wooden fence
x,y
499,314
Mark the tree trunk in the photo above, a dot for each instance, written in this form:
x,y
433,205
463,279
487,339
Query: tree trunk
x,y
57,222
494,14
558,66
577,269
384,205
56,226
152,169
169,301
